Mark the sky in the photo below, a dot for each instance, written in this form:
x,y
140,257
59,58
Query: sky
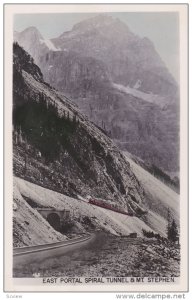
x,y
162,28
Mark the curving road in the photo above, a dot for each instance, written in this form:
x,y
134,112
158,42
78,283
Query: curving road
x,y
26,255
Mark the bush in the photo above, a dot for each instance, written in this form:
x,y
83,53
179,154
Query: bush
x,y
151,234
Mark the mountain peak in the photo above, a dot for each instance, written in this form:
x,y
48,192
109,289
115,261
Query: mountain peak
x,y
32,31
96,21
100,21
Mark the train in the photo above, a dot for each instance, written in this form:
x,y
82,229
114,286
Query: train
x,y
112,207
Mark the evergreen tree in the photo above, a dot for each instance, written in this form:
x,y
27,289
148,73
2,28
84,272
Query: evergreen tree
x,y
172,230
168,222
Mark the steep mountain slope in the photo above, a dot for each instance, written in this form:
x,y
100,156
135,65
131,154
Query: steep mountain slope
x,y
144,124
159,196
80,76
32,40
56,146
84,215
29,227
61,158
119,81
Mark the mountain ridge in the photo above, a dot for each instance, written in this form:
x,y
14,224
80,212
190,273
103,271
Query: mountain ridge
x,y
90,67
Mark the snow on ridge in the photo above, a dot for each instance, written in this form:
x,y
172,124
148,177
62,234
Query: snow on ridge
x,y
51,66
138,94
49,44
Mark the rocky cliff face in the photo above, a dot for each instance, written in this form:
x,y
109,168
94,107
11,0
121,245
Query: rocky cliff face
x,y
119,81
128,57
57,147
76,75
33,42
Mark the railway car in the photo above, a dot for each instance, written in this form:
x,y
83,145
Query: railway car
x,y
112,207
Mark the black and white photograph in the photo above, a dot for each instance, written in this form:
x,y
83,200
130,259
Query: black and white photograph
x,y
97,133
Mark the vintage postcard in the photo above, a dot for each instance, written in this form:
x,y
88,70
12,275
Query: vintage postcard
x,y
96,157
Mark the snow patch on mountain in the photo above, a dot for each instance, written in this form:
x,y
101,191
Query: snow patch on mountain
x,y
49,44
149,97
49,67
137,84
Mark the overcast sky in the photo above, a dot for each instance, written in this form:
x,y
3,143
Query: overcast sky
x,y
161,28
